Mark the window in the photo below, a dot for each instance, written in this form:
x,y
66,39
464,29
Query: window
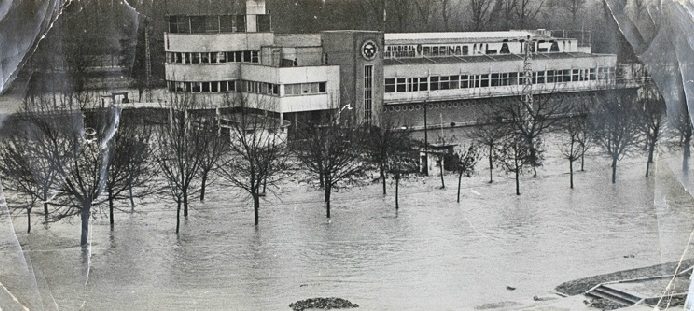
x,y
206,86
484,80
540,77
464,82
227,23
368,91
211,24
423,84
495,79
434,83
550,76
179,24
196,87
197,24
454,82
263,23
254,57
204,58
413,84
195,58
390,85
574,75
321,87
401,86
592,73
213,57
223,86
232,86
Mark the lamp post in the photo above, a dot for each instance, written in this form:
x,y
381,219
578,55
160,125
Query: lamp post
x,y
339,113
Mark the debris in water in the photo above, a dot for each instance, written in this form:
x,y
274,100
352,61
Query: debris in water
x,y
322,303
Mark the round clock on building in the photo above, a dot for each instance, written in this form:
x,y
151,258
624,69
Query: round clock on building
x,y
369,50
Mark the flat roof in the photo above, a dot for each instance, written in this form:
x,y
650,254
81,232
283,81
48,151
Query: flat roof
x,y
452,37
484,58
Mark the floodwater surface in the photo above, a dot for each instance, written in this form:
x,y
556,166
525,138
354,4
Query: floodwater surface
x,y
435,255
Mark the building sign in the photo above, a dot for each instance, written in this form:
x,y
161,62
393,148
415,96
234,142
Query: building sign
x,y
369,50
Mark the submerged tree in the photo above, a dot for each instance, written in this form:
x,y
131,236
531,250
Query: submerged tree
x,y
466,161
683,128
130,171
490,133
216,145
257,154
515,157
652,112
574,141
384,143
615,126
333,152
179,151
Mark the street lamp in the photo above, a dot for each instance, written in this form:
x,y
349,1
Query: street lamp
x,y
348,107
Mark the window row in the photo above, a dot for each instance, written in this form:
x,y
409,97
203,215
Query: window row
x,y
224,86
247,56
216,24
304,88
436,83
246,86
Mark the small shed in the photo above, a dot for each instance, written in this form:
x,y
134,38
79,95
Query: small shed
x,y
433,156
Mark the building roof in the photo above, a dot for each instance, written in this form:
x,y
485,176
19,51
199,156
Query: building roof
x,y
484,58
455,37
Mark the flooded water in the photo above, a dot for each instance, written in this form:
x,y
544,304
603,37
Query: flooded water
x,y
435,255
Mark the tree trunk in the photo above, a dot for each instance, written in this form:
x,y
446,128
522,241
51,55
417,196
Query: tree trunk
x,y
256,206
651,151
614,170
583,156
327,200
110,210
28,219
84,215
203,185
45,211
571,172
178,215
491,164
383,178
130,196
443,185
397,185
518,181
185,203
460,179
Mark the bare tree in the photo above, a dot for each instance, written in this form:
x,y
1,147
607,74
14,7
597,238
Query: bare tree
x,y
467,160
574,141
683,128
129,170
179,152
216,145
402,161
614,126
514,155
652,111
489,134
384,142
527,10
332,151
530,121
257,154
481,13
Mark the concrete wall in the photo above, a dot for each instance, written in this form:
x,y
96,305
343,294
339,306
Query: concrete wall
x,y
216,42
203,72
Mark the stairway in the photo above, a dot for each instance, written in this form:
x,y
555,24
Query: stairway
x,y
613,295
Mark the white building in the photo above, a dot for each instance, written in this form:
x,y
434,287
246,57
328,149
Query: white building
x,y
304,77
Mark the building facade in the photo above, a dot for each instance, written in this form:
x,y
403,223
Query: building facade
x,y
305,77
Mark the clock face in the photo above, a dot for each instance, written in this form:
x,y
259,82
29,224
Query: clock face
x,y
369,50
